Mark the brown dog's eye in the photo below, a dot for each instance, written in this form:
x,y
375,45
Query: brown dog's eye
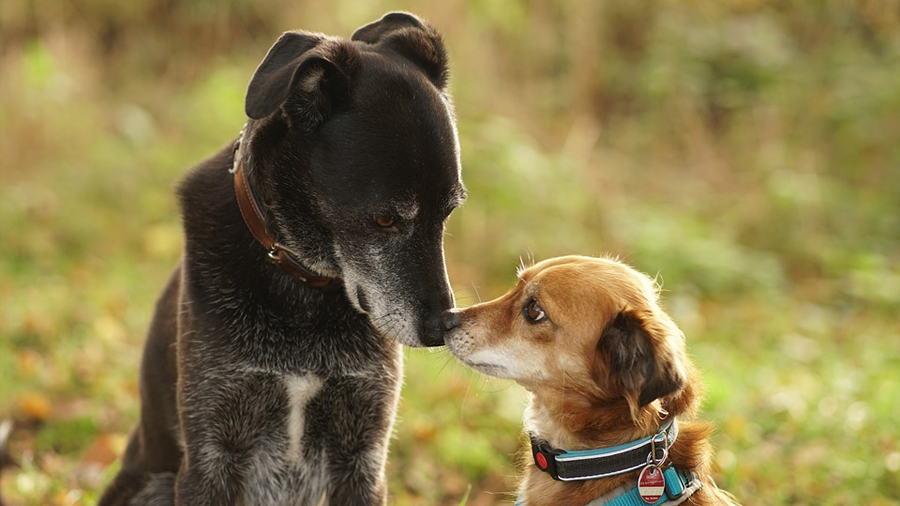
x,y
383,221
533,311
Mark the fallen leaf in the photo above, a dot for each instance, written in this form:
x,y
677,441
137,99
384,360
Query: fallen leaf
x,y
423,430
28,362
35,406
105,449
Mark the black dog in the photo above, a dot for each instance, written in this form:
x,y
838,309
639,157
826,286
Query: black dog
x,y
271,386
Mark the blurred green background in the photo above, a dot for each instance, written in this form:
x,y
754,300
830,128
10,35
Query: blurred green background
x,y
746,151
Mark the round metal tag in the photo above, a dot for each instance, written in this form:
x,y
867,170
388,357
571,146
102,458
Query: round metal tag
x,y
651,484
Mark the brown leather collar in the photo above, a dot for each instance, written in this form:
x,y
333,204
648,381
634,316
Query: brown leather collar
x,y
282,257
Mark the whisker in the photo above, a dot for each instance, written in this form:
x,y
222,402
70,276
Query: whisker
x,y
477,295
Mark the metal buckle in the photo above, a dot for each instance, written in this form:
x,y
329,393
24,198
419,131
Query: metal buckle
x,y
236,154
273,254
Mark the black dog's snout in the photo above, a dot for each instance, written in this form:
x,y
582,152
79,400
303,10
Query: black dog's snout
x,y
450,320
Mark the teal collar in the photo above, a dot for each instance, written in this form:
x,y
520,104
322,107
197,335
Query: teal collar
x,y
648,453
579,465
679,486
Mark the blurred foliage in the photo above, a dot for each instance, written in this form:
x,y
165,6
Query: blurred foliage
x,y
746,151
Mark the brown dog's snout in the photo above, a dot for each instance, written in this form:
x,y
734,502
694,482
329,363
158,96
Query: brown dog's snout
x,y
450,320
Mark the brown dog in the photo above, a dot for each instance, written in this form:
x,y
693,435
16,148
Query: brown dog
x,y
613,394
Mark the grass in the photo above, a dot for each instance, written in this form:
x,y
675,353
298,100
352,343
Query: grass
x,y
744,152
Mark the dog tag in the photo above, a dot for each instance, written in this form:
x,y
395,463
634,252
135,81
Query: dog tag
x,y
651,484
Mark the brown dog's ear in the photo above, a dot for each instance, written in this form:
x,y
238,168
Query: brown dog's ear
x,y
412,38
304,72
640,361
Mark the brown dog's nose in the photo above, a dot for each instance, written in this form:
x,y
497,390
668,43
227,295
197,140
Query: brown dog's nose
x,y
450,320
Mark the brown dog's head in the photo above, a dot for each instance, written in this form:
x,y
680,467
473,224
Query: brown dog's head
x,y
577,324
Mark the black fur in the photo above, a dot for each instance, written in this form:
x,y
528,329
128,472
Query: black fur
x,y
256,389
411,38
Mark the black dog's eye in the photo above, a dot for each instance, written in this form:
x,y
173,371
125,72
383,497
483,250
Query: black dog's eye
x,y
385,222
533,311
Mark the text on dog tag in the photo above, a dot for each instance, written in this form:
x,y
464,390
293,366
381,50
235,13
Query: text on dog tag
x,y
651,484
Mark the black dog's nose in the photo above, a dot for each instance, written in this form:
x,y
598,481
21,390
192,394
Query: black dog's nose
x,y
450,320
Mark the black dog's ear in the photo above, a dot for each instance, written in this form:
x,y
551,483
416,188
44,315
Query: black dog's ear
x,y
413,39
305,72
641,362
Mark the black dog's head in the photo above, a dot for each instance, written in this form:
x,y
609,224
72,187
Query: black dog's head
x,y
353,148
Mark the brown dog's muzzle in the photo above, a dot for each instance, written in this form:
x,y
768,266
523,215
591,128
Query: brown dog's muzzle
x,y
450,320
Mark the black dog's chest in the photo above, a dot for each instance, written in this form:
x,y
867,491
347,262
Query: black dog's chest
x,y
285,466
288,463
344,345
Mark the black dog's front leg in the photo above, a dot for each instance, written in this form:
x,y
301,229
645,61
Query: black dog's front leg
x,y
200,486
358,436
223,419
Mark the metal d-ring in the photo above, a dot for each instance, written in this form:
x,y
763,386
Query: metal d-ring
x,y
651,459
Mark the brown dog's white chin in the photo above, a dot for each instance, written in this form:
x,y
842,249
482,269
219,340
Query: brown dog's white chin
x,y
496,371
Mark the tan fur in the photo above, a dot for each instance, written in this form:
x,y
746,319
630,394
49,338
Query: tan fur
x,y
579,399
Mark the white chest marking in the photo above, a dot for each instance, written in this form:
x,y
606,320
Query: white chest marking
x,y
300,390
